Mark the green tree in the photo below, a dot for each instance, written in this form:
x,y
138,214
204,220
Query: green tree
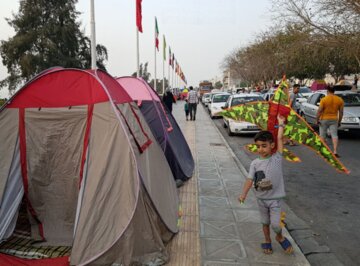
x,y
218,85
159,85
143,72
46,35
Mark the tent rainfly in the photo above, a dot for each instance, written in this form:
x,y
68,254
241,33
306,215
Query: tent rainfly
x,y
163,125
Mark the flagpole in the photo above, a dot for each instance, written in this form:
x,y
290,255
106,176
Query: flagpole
x,y
163,61
155,57
137,54
163,77
93,37
169,75
173,73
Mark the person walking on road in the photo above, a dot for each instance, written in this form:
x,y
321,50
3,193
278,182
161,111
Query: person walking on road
x,y
266,175
193,100
293,96
294,105
169,99
329,116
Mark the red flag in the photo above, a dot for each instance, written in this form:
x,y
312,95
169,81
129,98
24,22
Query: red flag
x,y
138,15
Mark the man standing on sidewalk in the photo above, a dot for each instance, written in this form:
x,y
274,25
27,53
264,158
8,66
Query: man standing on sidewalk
x,y
193,100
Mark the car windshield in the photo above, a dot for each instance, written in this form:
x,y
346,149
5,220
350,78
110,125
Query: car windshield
x,y
220,98
305,90
351,99
241,100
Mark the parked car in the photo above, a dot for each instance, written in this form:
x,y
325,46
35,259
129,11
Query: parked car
x,y
205,99
218,100
305,92
234,126
269,94
351,117
209,100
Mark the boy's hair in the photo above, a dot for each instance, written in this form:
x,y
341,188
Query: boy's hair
x,y
296,86
264,136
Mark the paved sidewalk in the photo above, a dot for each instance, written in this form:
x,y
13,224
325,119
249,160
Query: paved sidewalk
x,y
229,233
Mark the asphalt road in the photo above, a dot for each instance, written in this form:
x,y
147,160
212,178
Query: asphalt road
x,y
328,201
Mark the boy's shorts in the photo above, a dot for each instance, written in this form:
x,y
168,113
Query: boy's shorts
x,y
270,212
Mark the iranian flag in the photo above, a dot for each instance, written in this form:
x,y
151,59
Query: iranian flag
x,y
156,35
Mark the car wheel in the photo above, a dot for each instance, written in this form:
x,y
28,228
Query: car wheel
x,y
224,125
229,132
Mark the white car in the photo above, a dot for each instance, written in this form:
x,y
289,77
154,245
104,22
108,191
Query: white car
x,y
234,126
205,99
218,100
351,117
305,92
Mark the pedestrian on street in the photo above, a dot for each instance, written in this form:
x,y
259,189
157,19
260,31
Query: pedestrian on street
x,y
329,116
193,101
186,108
294,105
266,174
355,81
169,99
294,96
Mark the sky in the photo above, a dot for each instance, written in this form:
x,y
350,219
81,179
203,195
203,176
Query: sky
x,y
200,33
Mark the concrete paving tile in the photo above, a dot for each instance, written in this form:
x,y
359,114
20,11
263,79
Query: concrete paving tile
x,y
207,166
213,201
212,191
208,163
222,250
209,175
246,215
265,264
231,172
234,191
210,184
216,214
250,232
231,176
219,263
218,229
233,184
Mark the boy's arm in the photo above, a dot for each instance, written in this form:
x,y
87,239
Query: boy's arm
x,y
281,124
247,185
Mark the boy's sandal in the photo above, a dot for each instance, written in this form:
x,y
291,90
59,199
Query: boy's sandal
x,y
267,248
286,245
